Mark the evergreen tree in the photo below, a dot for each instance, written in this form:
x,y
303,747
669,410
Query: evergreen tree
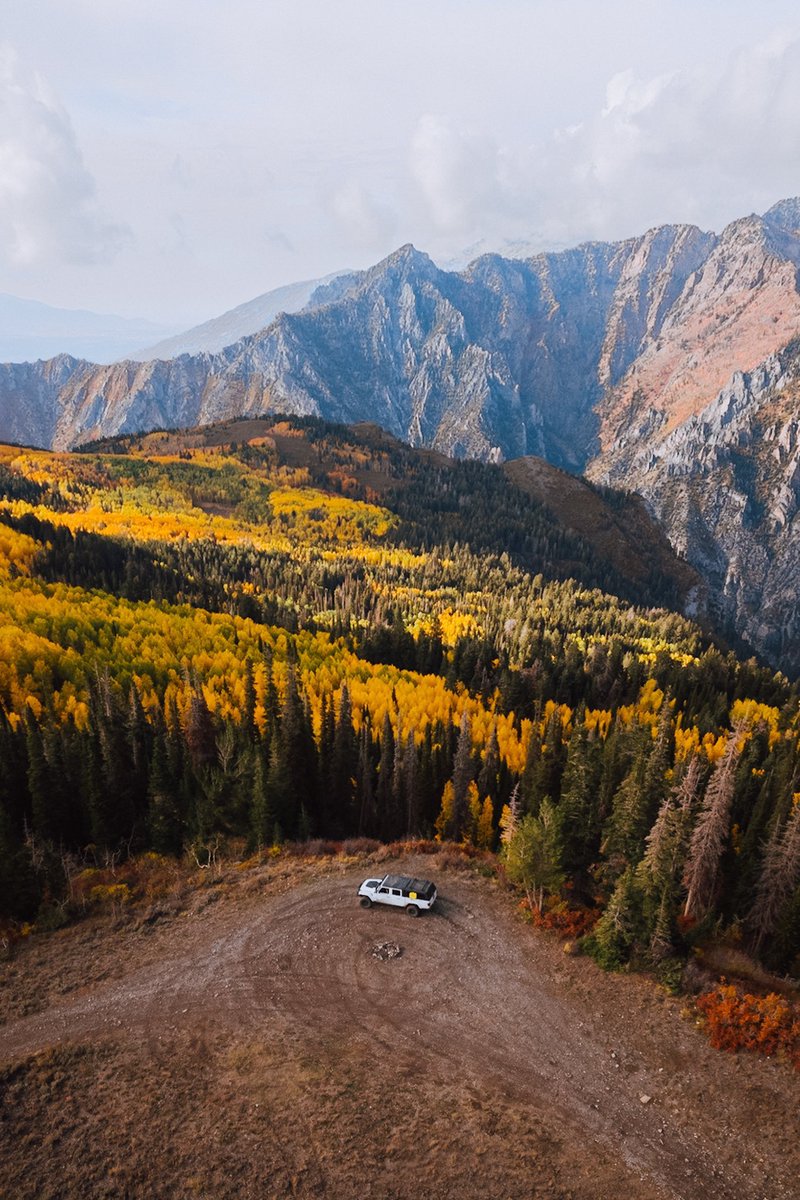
x,y
262,813
164,818
462,777
488,776
365,787
411,786
615,935
249,703
344,765
44,822
659,872
578,810
384,790
532,855
20,891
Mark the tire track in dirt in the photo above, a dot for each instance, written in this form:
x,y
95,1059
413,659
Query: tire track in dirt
x,y
468,999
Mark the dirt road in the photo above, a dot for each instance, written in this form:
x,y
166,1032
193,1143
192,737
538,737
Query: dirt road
x,y
481,1061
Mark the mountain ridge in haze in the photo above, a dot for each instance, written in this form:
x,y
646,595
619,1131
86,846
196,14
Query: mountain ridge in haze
x,y
32,331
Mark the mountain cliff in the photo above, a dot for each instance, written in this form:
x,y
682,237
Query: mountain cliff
x,y
608,358
725,485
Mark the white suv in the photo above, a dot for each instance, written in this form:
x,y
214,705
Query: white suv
x,y
400,890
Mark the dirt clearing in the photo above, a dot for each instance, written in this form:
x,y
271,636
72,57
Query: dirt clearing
x,y
290,1043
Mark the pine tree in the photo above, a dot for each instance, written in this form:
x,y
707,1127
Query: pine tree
x,y
344,766
578,807
548,770
532,855
199,734
249,703
613,938
271,698
262,813
140,742
658,874
411,786
528,782
462,777
20,891
490,767
365,789
164,821
44,822
299,761
384,789
655,784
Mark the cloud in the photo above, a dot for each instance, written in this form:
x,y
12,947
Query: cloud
x,y
48,205
703,146
363,219
463,175
684,146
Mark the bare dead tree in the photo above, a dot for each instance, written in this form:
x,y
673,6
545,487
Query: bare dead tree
x,y
780,872
711,831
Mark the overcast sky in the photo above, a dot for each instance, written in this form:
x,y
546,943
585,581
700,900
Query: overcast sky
x,y
173,158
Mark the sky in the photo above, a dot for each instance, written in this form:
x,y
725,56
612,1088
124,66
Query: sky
x,y
170,159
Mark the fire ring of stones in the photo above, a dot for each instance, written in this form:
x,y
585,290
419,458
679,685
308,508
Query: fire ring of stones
x,y
386,950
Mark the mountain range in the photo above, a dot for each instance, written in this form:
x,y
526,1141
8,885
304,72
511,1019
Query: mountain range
x,y
665,363
30,330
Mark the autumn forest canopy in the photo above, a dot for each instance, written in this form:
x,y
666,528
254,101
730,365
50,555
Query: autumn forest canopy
x,y
277,630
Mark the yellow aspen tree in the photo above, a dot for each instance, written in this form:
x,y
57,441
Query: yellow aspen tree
x,y
474,808
445,820
485,835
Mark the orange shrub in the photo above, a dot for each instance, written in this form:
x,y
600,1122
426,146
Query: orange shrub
x,y
740,1021
566,920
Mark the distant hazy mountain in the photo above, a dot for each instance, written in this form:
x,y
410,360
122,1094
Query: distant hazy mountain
x,y
239,322
30,331
667,363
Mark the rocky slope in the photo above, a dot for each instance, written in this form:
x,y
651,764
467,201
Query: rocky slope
x,y
602,358
726,486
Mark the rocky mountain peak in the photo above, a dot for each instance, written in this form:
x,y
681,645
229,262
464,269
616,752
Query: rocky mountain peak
x,y
785,215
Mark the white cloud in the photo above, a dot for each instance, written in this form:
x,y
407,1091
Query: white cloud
x,y
363,219
686,146
693,145
48,209
463,175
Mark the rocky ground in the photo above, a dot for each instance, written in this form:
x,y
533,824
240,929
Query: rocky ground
x,y
269,1040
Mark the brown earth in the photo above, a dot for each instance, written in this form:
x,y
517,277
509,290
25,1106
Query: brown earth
x,y
255,1047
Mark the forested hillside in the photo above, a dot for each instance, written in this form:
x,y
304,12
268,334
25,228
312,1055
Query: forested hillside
x,y
275,630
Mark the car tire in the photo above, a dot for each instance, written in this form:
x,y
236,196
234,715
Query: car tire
x,y
412,910
366,902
